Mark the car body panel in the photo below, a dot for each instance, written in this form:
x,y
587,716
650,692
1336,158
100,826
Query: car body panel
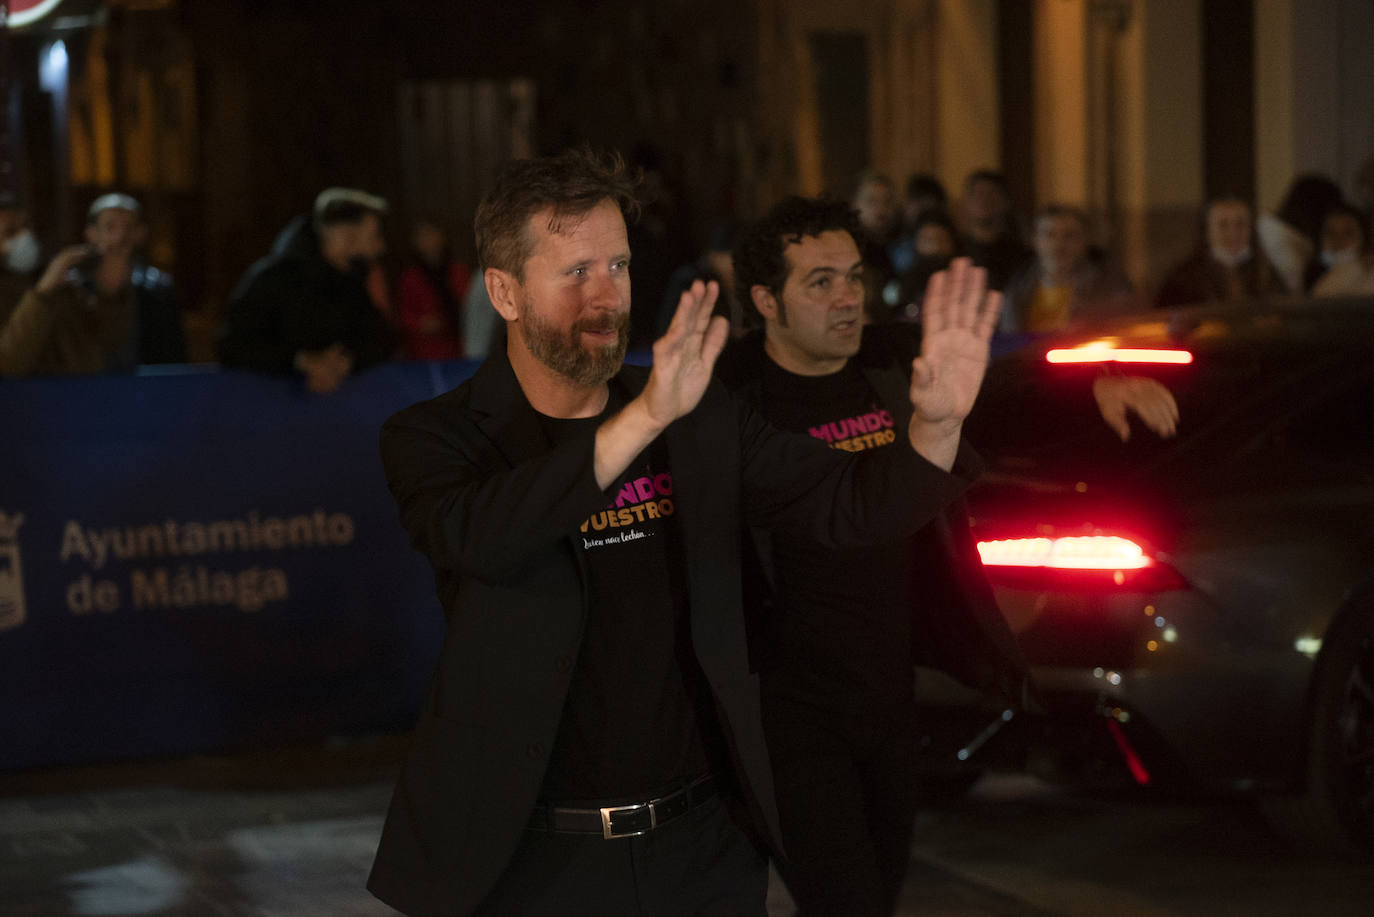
x,y
1265,514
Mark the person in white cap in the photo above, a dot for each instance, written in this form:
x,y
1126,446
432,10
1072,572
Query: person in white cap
x,y
98,307
305,308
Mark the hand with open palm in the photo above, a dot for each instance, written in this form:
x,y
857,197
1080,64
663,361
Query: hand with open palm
x,y
958,317
686,354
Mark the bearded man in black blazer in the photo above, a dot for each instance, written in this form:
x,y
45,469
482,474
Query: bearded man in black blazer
x,y
591,742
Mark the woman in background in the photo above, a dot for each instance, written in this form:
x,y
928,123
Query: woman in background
x,y
1228,265
431,296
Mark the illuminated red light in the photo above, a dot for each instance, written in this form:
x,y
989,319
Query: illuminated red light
x,y
1100,352
1086,552
1129,754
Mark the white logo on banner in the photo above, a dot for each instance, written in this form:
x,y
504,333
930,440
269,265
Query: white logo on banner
x,y
12,610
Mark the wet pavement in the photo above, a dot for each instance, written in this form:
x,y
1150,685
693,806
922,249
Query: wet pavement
x,y
286,832
292,833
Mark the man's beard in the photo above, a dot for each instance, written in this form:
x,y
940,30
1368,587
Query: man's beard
x,y
564,353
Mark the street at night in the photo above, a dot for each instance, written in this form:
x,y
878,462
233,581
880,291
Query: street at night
x,y
510,458
294,833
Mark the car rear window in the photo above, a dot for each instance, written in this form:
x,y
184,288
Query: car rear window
x,y
1040,419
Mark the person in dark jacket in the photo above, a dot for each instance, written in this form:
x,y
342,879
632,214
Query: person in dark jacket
x,y
874,199
1228,264
1290,237
305,308
992,235
835,633
934,243
924,194
715,264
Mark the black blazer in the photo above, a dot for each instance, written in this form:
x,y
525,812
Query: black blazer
x,y
495,506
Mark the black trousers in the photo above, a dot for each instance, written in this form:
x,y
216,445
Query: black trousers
x,y
847,792
698,864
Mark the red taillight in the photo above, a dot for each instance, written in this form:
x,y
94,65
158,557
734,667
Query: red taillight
x,y
1107,352
1084,552
1090,561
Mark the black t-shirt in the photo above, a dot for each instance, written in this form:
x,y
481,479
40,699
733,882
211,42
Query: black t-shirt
x,y
638,718
841,637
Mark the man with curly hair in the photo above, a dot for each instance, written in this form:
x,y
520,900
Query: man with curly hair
x,y
836,631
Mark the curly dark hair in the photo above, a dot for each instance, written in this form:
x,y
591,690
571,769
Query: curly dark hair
x,y
573,183
759,253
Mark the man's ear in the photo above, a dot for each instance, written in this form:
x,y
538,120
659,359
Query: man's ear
x,y
504,292
764,301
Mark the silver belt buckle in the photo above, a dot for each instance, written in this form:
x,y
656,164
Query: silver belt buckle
x,y
608,811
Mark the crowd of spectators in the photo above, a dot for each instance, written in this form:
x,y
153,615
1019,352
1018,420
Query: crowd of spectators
x,y
324,303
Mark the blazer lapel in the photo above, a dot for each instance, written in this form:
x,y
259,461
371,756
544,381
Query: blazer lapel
x,y
506,416
710,526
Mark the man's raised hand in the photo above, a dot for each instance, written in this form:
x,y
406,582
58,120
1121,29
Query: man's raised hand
x,y
683,360
958,317
686,354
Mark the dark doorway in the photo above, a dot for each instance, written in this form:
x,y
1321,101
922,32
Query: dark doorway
x,y
1228,100
840,60
1016,86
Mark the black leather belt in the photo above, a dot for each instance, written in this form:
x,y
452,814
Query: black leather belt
x,y
628,820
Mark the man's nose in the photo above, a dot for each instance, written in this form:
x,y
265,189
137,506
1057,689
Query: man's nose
x,y
851,293
606,293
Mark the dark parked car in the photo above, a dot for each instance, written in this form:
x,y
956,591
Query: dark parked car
x,y
1198,610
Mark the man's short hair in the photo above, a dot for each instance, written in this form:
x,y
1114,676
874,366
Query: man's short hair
x,y
334,206
923,184
1226,197
572,183
992,177
760,258
1063,210
869,177
113,201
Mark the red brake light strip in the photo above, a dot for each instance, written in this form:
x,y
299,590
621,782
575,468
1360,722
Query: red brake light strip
x,y
1107,353
1089,552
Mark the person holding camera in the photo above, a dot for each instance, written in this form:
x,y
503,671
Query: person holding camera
x,y
98,307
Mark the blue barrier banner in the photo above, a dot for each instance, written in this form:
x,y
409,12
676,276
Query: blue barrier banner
x,y
199,560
